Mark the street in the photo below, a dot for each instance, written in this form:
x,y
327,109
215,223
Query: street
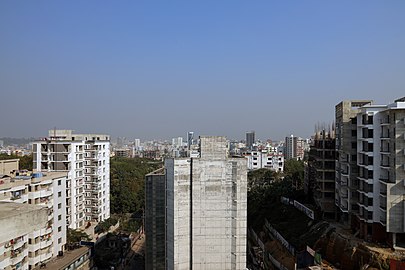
x,y
136,255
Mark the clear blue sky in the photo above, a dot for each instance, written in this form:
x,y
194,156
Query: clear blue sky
x,y
156,69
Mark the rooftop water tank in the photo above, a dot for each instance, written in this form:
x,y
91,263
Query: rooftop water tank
x,y
36,175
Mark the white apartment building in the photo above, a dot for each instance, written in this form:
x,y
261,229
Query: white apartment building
x,y
86,159
263,159
206,209
39,245
381,162
379,188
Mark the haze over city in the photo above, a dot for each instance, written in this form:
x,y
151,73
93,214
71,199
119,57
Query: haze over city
x,y
159,69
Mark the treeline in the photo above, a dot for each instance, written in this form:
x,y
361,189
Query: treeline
x,y
127,188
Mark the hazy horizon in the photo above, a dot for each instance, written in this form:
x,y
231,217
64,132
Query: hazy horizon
x,y
155,70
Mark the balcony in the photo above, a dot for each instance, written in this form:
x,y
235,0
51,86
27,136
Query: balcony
x,y
17,256
18,243
386,180
385,121
385,136
383,219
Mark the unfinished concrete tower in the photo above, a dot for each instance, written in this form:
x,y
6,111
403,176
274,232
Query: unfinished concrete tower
x,y
206,209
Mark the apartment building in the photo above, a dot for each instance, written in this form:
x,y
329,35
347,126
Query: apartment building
x,y
17,220
263,159
86,159
380,160
37,246
206,209
346,170
294,148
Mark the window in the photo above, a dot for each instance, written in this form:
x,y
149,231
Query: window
x,y
59,228
59,205
60,240
60,217
60,194
59,182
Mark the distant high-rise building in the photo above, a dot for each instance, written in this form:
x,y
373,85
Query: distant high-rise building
x,y
190,138
137,144
294,147
177,142
250,139
290,147
86,159
206,209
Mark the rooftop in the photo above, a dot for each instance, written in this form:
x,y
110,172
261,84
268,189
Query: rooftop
x,y
17,219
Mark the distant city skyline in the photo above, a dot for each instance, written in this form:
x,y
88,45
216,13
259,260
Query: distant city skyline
x,y
156,70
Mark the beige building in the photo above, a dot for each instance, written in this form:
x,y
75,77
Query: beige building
x,y
8,165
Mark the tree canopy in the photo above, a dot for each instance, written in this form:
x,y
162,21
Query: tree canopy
x,y
294,171
128,183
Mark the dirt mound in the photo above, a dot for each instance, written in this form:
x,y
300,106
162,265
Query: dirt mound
x,y
345,253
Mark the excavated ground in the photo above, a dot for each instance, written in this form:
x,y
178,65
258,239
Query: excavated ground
x,y
336,244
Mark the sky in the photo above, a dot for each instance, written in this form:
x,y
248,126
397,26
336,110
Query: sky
x,y
157,69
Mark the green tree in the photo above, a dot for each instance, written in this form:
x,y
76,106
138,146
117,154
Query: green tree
x,y
294,171
128,183
74,237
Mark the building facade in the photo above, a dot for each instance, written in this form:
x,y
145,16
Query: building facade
x,y
320,172
346,171
294,148
206,204
86,159
39,245
380,164
263,159
155,212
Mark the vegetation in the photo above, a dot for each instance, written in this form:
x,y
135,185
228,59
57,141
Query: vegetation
x,y
25,161
128,183
105,225
266,187
294,171
74,237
